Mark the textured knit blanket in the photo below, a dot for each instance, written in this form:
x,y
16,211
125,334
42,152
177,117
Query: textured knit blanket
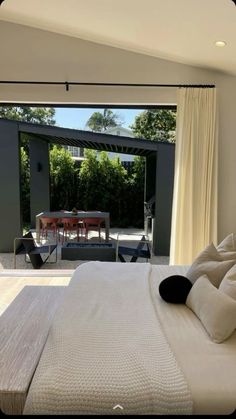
x,y
106,348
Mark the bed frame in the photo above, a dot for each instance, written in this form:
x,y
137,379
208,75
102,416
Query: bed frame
x,y
24,328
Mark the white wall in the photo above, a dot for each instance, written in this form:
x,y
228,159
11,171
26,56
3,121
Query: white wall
x,y
227,156
32,54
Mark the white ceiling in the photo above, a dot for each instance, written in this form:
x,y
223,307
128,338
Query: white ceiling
x,y
180,30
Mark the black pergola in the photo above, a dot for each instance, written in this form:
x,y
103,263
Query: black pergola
x,y
159,174
88,139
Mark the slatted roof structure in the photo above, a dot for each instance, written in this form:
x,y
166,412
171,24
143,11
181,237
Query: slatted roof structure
x,y
88,139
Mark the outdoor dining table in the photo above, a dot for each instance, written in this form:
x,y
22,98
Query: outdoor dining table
x,y
69,214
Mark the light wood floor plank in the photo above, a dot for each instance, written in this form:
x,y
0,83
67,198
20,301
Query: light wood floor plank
x,y
24,328
10,287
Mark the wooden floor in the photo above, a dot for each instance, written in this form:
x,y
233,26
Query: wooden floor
x,y
11,286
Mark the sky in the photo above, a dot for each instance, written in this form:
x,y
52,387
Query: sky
x,y
77,117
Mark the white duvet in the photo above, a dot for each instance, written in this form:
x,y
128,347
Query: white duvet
x,y
209,368
106,347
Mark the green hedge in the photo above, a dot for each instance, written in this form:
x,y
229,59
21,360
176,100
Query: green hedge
x,y
99,183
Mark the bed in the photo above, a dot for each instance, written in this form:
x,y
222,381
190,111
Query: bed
x,y
114,346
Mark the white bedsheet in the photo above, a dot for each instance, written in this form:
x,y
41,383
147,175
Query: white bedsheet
x,y
106,347
209,368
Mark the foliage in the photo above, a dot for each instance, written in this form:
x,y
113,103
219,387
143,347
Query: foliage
x,y
157,124
105,185
29,114
137,187
100,122
113,186
25,185
89,181
102,183
63,178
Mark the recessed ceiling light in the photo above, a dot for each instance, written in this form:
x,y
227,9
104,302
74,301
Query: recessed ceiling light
x,y
220,43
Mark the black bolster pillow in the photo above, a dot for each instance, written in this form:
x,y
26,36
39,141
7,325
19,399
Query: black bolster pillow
x,y
175,289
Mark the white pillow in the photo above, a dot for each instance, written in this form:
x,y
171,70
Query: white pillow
x,y
227,248
228,283
209,262
216,310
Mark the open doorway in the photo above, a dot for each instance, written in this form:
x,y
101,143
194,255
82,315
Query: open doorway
x,y
132,181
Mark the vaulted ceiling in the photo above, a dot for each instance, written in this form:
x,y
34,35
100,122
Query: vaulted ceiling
x,y
180,30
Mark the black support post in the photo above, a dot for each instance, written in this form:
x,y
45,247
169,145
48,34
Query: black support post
x,y
39,178
164,197
10,209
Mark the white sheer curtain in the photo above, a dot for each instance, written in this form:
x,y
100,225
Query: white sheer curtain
x,y
194,212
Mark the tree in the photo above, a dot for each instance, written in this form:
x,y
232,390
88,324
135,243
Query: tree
x,y
29,114
157,124
100,122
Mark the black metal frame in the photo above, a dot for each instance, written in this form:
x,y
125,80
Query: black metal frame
x,y
135,252
25,245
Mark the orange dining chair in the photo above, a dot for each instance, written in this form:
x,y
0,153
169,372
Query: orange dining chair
x,y
48,224
59,222
70,225
91,224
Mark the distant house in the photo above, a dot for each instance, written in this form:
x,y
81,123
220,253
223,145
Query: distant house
x,y
78,153
118,130
123,132
74,151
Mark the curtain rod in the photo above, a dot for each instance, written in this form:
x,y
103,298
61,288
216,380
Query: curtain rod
x,y
67,84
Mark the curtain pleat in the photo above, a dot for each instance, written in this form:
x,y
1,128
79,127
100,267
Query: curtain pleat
x,y
194,211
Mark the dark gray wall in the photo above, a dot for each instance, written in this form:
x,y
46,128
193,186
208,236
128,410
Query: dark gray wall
x,y
150,190
10,211
164,195
39,178
150,176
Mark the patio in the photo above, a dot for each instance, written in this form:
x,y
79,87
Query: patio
x,y
126,237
